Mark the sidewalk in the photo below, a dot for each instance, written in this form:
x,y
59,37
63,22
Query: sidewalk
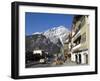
x,y
69,63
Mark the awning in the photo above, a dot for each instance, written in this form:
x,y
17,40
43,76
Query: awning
x,y
76,51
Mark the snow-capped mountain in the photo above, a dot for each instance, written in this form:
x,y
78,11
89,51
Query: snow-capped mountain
x,y
36,33
56,33
50,40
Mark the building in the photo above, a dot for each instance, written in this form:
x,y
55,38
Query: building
x,y
37,52
67,48
40,55
80,39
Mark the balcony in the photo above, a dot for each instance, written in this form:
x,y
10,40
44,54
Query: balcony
x,y
76,36
76,47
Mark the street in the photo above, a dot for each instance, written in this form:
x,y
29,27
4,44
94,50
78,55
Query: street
x,y
52,64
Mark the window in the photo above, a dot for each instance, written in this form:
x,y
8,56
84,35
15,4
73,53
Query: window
x,y
77,41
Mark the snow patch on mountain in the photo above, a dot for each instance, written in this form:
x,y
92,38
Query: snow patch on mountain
x,y
37,33
56,33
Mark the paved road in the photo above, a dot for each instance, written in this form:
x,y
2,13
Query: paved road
x,y
40,65
68,63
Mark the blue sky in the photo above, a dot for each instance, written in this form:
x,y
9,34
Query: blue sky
x,y
39,22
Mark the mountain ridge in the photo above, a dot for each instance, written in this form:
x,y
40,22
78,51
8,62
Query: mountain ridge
x,y
55,33
50,40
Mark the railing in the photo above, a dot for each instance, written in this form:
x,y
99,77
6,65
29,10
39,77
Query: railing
x,y
76,47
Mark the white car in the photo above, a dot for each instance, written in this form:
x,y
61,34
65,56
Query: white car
x,y
42,60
